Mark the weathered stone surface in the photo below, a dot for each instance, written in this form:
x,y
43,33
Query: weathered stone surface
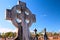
x,y
22,18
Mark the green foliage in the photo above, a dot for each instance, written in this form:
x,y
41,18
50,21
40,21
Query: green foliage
x,y
3,35
8,34
40,34
37,35
0,35
14,34
55,34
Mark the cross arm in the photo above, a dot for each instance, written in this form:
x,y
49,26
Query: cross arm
x,y
33,18
8,14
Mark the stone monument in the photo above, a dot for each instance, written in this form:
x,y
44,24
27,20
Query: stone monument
x,y
45,35
35,38
22,18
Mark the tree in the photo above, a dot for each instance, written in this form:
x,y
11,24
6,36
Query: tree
x,y
40,34
3,35
0,35
55,34
14,34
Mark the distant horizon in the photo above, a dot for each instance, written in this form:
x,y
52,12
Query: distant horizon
x,y
5,30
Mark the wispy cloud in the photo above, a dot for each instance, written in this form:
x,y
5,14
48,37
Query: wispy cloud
x,y
43,15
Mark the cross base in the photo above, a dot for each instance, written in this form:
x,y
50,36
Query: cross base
x,y
20,33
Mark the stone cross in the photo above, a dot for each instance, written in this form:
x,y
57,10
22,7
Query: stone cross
x,y
35,31
22,18
35,38
45,35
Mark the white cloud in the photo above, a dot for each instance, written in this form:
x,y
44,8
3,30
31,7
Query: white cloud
x,y
7,30
43,15
5,14
9,21
31,31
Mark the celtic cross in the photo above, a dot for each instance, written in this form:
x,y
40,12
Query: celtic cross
x,y
20,15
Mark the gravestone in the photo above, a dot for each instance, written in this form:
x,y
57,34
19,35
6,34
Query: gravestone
x,y
45,35
36,37
22,18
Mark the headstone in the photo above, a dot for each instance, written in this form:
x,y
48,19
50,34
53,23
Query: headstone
x,y
22,18
45,35
35,38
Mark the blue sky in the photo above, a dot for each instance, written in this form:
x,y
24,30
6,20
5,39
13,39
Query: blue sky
x,y
47,14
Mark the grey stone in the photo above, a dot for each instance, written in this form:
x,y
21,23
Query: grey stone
x,y
22,18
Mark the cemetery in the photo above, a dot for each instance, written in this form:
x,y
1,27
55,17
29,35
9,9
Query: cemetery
x,y
22,18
